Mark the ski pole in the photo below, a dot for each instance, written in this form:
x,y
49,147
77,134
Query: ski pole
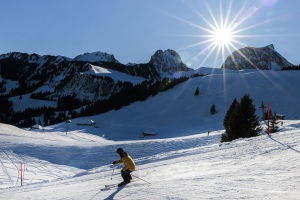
x,y
112,172
140,179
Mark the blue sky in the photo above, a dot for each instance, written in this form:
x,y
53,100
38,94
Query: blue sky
x,y
133,30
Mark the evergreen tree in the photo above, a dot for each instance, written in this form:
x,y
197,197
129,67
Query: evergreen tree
x,y
229,122
249,121
266,114
240,120
262,107
46,123
197,91
273,127
213,109
28,122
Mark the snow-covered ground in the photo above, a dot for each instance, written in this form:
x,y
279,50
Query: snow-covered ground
x,y
67,161
115,75
78,165
218,86
178,112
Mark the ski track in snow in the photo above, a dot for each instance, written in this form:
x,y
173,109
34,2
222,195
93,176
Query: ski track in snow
x,y
9,164
196,167
102,155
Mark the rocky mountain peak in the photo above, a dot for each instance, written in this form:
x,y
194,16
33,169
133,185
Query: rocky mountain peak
x,y
96,57
271,46
265,58
168,62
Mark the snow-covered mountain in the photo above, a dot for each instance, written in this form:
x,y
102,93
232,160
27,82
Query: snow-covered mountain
x,y
67,162
256,58
179,160
55,81
96,57
157,115
52,82
60,76
168,63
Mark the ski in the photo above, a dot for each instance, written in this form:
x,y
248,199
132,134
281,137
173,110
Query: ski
x,y
115,185
108,187
111,185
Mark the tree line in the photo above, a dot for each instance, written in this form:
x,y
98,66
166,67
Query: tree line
x,y
70,106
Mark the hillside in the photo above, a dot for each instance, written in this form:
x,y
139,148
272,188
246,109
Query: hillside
x,y
181,161
37,89
47,90
158,115
77,166
178,112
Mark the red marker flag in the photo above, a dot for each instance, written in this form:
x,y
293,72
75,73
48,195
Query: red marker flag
x,y
268,118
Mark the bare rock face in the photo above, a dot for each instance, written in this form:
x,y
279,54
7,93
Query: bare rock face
x,y
168,62
264,58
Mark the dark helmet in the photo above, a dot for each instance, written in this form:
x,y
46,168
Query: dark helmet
x,y
120,151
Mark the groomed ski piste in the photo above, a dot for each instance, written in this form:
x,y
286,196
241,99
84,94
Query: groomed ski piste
x,y
180,160
78,166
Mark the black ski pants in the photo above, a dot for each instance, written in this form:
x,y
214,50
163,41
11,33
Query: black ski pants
x,y
126,175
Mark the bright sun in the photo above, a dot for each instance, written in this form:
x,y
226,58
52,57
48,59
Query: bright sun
x,y
222,36
221,32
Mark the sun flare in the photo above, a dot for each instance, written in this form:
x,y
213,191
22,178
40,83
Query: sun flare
x,y
222,36
221,31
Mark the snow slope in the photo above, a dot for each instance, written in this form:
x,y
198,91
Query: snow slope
x,y
20,104
67,161
115,75
218,87
178,112
77,165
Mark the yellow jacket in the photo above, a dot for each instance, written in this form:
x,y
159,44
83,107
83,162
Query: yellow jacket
x,y
128,162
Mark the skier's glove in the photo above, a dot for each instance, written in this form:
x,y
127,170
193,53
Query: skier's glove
x,y
115,162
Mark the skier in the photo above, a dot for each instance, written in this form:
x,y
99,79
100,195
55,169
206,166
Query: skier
x,y
129,166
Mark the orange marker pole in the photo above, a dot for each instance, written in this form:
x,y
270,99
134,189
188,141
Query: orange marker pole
x,y
268,118
21,172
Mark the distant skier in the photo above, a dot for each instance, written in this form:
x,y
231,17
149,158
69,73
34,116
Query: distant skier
x,y
129,166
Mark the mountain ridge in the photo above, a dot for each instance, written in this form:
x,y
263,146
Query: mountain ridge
x,y
265,58
97,56
92,87
91,79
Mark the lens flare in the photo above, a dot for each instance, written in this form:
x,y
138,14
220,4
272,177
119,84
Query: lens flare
x,y
224,32
222,36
